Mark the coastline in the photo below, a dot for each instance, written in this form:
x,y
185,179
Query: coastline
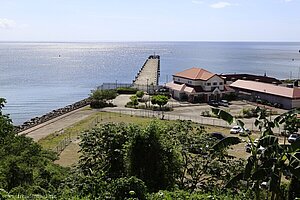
x,y
54,114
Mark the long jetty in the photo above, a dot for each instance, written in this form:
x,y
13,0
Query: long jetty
x,y
149,72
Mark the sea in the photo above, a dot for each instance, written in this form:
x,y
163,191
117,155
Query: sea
x,y
38,77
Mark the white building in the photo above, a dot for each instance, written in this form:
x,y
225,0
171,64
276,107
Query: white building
x,y
196,85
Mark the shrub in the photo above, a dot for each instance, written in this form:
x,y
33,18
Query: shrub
x,y
100,104
101,95
160,100
125,188
134,100
126,90
139,94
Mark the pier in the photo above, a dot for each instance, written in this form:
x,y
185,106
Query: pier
x,y
149,72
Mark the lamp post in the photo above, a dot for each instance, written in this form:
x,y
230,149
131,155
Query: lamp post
x,y
293,59
116,84
147,86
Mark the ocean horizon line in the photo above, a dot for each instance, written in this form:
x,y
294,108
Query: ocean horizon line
x,y
146,41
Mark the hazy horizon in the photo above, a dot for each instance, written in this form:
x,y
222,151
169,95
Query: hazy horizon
x,y
142,21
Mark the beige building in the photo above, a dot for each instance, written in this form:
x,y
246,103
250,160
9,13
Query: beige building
x,y
196,85
284,96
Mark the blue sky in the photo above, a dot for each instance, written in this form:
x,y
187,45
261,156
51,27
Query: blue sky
x,y
156,20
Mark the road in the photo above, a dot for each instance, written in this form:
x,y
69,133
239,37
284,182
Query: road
x,y
40,131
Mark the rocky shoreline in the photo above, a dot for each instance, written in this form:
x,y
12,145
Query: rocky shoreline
x,y
51,115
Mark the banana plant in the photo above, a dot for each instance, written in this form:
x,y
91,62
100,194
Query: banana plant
x,y
276,159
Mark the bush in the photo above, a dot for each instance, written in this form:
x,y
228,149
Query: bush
x,y
248,113
125,188
139,94
100,104
101,95
126,90
181,194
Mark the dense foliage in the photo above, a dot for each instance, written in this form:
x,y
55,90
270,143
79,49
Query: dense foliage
x,y
274,162
158,161
100,98
126,90
25,168
139,160
160,100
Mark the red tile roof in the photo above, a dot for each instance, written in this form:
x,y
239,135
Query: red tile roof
x,y
195,74
293,93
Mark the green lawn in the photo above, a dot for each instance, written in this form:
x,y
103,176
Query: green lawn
x,y
70,155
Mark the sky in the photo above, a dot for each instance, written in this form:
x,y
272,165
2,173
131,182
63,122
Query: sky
x,y
156,20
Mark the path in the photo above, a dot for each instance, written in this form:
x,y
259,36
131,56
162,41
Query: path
x,y
40,131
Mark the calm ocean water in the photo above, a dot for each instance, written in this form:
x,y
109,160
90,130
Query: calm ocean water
x,y
35,79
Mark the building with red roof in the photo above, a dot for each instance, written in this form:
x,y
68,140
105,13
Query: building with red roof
x,y
287,97
196,85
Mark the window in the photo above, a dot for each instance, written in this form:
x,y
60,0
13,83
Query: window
x,y
178,79
215,83
221,83
189,82
208,84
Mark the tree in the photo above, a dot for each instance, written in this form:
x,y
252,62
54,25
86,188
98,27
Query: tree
x,y
23,162
139,94
153,159
103,95
206,165
274,160
103,149
160,100
134,100
99,98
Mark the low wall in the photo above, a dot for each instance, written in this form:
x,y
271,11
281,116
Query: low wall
x,y
51,115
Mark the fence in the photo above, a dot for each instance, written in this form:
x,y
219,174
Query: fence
x,y
249,123
147,88
62,144
115,113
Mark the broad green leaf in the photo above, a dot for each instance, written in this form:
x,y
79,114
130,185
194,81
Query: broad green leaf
x,y
225,143
240,123
223,115
260,174
234,180
268,140
295,146
249,167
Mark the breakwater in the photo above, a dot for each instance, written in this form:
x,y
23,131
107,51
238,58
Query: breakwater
x,y
51,115
149,72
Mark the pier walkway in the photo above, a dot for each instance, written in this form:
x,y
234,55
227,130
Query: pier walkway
x,y
149,73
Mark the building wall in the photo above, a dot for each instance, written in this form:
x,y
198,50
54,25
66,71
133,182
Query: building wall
x,y
296,103
206,85
214,80
176,94
188,81
287,103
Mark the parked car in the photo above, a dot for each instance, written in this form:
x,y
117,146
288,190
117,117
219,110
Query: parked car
x,y
213,103
235,129
248,147
244,132
293,137
224,103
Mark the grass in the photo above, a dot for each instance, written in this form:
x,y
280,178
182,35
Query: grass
x,y
70,155
52,140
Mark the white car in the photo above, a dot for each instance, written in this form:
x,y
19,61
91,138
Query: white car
x,y
293,138
235,130
255,142
245,132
